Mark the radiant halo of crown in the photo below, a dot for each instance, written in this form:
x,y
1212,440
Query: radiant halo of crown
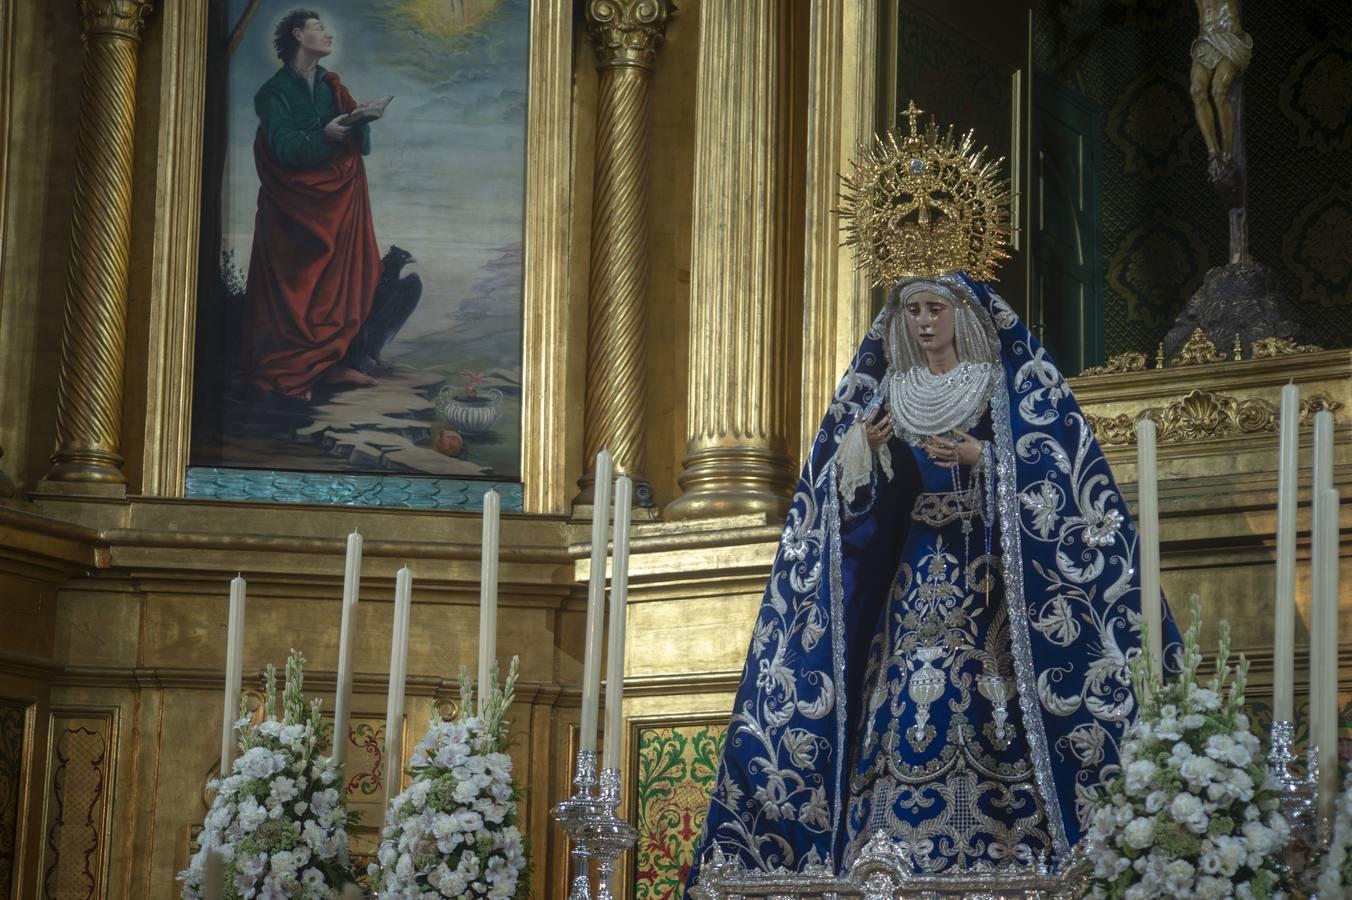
x,y
925,203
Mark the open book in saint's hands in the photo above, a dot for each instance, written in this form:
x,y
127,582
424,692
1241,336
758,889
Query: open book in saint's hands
x,y
366,112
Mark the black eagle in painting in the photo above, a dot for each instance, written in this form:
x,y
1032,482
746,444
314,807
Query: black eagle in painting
x,y
395,298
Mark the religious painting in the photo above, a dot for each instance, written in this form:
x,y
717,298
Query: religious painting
x,y
360,287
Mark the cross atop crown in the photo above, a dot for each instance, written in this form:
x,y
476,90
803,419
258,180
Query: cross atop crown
x,y
913,112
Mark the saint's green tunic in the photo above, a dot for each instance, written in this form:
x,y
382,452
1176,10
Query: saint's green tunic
x,y
292,116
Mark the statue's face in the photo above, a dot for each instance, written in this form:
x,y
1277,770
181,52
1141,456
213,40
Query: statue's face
x,y
314,37
930,319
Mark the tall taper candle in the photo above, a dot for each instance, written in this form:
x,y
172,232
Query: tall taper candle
x,y
1324,648
342,701
1322,479
1284,628
394,709
596,603
619,593
488,593
1148,534
234,673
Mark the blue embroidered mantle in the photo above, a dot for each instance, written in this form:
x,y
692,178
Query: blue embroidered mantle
x,y
1069,552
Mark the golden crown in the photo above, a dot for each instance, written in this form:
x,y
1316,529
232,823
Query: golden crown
x,y
925,204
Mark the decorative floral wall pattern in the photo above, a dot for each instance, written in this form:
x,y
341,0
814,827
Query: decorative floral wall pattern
x,y
1163,225
676,770
13,718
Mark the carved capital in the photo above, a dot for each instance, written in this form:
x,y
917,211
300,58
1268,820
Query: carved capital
x,y
119,18
628,32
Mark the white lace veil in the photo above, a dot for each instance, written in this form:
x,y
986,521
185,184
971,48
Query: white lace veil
x,y
973,330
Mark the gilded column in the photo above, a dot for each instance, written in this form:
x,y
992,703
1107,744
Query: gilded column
x,y
89,400
626,35
740,358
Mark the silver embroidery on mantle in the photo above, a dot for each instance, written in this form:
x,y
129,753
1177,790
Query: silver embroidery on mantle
x,y
1035,731
837,645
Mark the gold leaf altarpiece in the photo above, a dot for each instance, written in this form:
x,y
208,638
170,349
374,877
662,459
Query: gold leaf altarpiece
x,y
117,604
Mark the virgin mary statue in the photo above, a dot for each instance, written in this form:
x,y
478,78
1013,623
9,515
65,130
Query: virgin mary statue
x,y
941,660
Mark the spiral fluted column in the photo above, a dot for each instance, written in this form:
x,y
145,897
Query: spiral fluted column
x,y
626,35
93,345
741,363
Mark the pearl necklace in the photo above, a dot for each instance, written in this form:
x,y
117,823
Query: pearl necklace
x,y
923,404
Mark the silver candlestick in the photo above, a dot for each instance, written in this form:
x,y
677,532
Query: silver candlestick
x,y
1295,789
1297,794
574,814
607,836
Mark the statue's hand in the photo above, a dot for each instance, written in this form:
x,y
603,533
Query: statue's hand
x,y
962,450
879,429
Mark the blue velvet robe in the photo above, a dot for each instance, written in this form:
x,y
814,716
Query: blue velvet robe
x,y
1069,595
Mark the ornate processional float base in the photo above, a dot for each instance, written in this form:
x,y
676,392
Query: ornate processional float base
x,y
883,872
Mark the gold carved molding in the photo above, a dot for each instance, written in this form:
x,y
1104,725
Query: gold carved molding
x,y
628,32
1132,361
1204,415
546,425
1269,347
1198,351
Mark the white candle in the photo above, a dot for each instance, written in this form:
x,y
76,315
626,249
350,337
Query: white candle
x,y
1322,479
619,592
213,875
596,603
1284,628
1148,531
1324,647
342,702
234,673
1324,611
488,594
394,709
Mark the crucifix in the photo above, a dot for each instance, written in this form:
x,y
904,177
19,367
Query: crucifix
x,y
1220,54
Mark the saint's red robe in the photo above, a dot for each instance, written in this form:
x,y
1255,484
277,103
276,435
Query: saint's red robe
x,y
313,268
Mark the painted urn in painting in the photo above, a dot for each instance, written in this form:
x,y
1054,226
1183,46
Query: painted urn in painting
x,y
469,409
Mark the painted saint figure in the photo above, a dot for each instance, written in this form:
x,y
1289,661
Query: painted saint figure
x,y
1220,54
315,262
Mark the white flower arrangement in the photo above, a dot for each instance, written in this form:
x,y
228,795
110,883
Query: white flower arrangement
x,y
1335,868
279,820
1191,813
453,832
